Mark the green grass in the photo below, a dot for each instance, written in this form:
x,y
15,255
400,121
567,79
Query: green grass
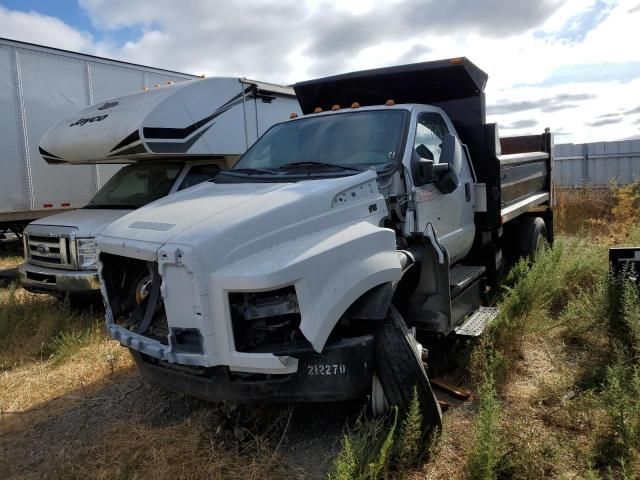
x,y
487,446
564,298
377,449
366,449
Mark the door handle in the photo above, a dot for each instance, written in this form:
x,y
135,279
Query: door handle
x,y
467,191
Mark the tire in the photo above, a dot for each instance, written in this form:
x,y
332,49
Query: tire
x,y
531,237
399,368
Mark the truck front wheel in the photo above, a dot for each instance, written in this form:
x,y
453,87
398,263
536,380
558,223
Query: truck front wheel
x,y
400,370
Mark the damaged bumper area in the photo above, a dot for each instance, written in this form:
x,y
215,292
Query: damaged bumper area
x,y
342,372
263,329
136,316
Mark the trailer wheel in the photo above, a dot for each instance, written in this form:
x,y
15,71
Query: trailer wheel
x,y
531,237
399,368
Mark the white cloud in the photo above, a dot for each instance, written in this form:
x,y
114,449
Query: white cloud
x,y
37,28
522,47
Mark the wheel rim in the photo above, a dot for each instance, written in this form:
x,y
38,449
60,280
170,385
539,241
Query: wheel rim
x,y
142,289
379,403
540,241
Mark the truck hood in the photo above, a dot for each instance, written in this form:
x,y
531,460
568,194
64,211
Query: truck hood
x,y
89,222
233,213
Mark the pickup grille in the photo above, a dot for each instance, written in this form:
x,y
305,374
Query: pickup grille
x,y
49,251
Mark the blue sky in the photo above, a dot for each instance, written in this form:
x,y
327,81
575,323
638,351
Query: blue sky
x,y
571,65
71,13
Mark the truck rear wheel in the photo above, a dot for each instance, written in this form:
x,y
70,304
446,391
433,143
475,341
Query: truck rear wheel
x,y
399,368
531,237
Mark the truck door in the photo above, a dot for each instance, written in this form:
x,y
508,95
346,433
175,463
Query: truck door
x,y
452,214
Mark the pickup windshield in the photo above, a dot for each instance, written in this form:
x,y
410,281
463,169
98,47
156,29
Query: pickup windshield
x,y
136,185
344,142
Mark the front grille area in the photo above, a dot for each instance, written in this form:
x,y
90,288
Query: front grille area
x,y
129,284
49,251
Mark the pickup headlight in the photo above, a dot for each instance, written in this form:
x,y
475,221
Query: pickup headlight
x,y
87,253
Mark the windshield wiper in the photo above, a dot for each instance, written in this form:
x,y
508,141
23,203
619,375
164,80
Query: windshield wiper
x,y
316,166
249,171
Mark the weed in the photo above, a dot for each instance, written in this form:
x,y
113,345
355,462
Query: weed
x,y
486,449
622,395
346,463
369,449
408,449
66,343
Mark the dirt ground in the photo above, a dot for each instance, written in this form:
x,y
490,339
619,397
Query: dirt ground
x,y
103,426
106,418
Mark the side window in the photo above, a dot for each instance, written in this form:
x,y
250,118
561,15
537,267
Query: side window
x,y
430,132
198,174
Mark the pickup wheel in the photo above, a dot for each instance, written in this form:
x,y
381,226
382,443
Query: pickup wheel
x,y
399,368
531,237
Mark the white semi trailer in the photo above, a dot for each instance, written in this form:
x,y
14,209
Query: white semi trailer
x,y
298,275
171,137
41,85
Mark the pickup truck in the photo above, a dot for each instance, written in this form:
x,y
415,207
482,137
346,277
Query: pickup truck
x,y
342,246
170,137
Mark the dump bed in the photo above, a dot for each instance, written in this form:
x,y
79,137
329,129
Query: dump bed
x,y
525,173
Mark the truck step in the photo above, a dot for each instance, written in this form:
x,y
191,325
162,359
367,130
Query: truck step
x,y
476,323
461,276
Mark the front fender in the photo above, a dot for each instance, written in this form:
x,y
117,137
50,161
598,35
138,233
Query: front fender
x,y
330,270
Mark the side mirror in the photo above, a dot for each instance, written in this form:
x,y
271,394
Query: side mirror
x,y
451,156
431,172
426,170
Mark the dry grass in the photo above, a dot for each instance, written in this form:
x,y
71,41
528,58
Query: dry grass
x,y
10,254
585,211
34,383
8,261
72,405
36,326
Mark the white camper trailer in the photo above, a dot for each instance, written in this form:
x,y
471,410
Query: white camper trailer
x,y
173,137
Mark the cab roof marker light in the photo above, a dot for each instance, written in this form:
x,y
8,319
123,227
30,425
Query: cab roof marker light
x,y
355,105
390,103
335,107
293,115
317,110
457,60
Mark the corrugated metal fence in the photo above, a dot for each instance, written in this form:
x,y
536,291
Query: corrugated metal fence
x,y
597,164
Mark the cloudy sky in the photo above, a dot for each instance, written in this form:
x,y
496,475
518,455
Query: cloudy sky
x,y
571,65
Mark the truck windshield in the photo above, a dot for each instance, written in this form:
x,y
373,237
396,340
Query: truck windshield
x,y
136,185
353,140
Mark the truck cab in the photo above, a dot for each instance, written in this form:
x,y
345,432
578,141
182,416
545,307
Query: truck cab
x,y
170,138
342,246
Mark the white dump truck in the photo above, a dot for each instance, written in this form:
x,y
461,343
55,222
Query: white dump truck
x,y
339,244
171,137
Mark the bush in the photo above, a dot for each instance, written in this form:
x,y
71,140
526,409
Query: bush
x,y
486,450
366,449
375,448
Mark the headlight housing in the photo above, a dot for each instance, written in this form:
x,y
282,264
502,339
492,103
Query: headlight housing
x,y
86,253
